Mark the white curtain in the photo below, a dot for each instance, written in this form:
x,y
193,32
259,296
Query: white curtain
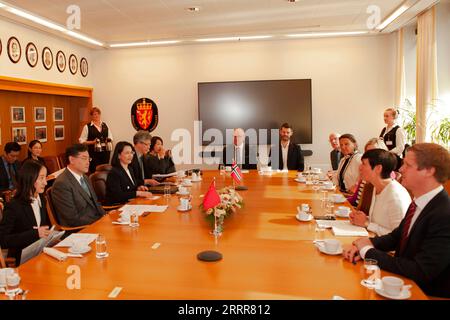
x,y
426,83
400,85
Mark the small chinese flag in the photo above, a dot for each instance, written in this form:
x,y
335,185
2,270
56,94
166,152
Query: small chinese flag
x,y
236,172
211,198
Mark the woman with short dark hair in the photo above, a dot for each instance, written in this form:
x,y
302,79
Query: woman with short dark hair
x,y
347,175
34,152
25,218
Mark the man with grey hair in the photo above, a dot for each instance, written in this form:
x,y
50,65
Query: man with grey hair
x,y
239,152
141,141
335,154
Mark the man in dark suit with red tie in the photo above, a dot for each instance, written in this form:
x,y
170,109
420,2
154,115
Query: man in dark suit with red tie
x,y
422,240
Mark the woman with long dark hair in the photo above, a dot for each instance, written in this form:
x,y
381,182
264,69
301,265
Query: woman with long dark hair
x,y
159,160
34,152
25,218
121,184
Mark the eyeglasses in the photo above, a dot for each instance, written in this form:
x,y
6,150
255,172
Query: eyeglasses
x,y
145,144
85,158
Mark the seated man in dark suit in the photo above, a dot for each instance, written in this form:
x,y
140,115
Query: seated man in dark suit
x,y
422,240
141,171
73,196
335,154
290,155
9,166
239,152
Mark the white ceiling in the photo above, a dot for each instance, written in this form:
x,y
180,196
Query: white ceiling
x,y
136,20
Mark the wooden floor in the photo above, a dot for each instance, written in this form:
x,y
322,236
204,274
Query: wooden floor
x,y
267,253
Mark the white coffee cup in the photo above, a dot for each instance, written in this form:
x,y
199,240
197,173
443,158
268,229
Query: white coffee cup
x,y
194,176
343,210
331,245
305,207
393,286
303,215
184,203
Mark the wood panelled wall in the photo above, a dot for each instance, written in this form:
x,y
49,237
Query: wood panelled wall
x,y
30,94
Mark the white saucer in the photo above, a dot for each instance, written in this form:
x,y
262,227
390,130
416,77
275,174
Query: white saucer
x,y
184,210
404,294
322,249
86,250
309,219
341,215
339,201
300,181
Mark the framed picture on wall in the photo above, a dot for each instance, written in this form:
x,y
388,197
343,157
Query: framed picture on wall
x,y
19,135
31,54
14,50
40,133
59,133
61,61
58,114
47,58
0,50
73,64
84,67
40,114
17,114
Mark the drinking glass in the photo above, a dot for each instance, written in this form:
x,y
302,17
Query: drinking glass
x,y
166,191
134,219
323,197
371,277
12,282
329,208
100,247
320,233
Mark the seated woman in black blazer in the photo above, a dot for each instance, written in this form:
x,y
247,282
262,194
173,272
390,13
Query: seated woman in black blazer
x,y
159,160
34,152
25,218
121,182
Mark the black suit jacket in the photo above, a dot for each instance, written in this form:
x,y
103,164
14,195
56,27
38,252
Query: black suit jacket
x,y
295,159
249,161
158,166
16,227
4,181
119,187
335,157
426,257
134,165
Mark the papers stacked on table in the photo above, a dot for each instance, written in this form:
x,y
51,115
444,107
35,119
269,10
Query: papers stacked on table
x,y
141,208
77,238
343,228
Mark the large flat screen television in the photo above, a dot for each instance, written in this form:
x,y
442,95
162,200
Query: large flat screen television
x,y
262,104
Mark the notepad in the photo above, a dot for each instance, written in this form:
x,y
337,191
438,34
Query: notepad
x,y
343,228
85,238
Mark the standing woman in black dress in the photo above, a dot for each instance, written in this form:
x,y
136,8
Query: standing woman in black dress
x,y
97,136
25,218
394,136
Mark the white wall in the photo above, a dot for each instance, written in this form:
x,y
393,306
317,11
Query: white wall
x,y
443,52
23,71
410,52
352,82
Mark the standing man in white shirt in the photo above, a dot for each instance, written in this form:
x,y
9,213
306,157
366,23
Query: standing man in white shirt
x,y
422,240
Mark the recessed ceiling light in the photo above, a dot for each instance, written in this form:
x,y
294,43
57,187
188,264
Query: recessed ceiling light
x,y
144,43
326,34
293,0
193,9
397,13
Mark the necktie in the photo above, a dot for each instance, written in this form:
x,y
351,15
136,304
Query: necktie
x,y
141,165
12,175
85,186
408,218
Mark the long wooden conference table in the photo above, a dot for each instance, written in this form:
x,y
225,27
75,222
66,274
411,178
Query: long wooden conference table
x,y
267,253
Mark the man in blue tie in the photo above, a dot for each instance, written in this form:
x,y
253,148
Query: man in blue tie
x,y
9,166
422,240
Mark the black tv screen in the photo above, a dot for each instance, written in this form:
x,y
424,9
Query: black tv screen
x,y
263,104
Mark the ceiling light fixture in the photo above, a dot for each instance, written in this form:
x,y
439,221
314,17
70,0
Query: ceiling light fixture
x,y
142,44
233,38
49,24
326,34
193,9
397,13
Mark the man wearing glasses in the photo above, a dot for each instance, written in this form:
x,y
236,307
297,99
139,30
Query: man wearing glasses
x,y
73,196
141,141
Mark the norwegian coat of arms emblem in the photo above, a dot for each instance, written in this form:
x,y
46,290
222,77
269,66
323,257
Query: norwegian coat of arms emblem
x,y
144,114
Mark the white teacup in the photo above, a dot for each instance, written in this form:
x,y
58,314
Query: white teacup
x,y
303,215
343,210
332,245
299,175
184,203
393,286
194,176
305,207
337,197
3,273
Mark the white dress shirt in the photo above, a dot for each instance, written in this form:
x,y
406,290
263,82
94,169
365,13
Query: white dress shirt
x,y
127,170
36,206
284,152
84,134
400,140
76,175
421,203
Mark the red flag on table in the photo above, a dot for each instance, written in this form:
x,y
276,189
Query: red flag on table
x,y
236,172
211,198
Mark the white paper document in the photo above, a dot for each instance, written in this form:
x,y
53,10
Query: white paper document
x,y
157,176
141,208
75,238
38,246
343,228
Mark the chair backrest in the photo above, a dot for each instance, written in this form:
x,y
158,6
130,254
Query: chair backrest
x,y
366,198
62,160
52,164
51,209
103,167
98,181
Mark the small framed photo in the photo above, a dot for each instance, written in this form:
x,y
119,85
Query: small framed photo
x,y
40,133
31,54
14,49
84,67
47,58
19,135
40,114
0,52
58,114
61,61
17,114
59,133
73,64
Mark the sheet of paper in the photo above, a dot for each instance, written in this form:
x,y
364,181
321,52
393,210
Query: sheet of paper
x,y
38,246
343,228
85,238
141,208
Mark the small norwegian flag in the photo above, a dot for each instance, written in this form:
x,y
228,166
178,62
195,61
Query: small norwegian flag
x,y
236,172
